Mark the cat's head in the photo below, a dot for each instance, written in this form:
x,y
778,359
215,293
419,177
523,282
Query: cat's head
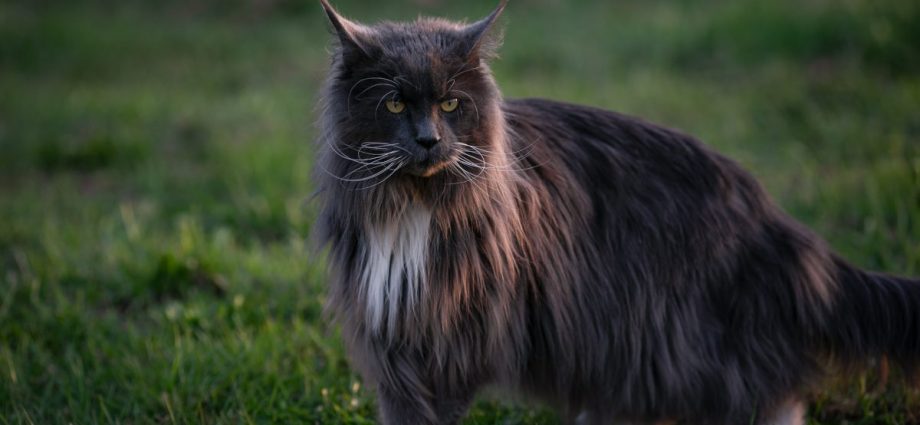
x,y
410,101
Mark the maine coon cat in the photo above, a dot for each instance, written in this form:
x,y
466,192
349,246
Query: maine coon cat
x,y
619,271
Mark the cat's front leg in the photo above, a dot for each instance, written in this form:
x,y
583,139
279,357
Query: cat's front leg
x,y
789,412
597,417
400,407
452,408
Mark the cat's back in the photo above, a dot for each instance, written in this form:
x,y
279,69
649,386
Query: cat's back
x,y
608,150
642,182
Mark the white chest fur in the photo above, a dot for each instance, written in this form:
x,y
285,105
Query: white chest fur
x,y
395,266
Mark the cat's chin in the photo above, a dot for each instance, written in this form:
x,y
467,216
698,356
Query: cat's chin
x,y
426,169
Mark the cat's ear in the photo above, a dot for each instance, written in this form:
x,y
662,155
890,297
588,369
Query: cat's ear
x,y
480,40
353,37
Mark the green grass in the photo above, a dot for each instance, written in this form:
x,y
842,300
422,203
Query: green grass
x,y
155,175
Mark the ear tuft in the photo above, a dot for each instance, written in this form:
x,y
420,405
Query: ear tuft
x,y
479,40
352,36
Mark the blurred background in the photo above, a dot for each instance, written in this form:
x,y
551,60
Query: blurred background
x,y
155,162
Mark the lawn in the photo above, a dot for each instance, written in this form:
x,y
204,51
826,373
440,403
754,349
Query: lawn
x,y
155,181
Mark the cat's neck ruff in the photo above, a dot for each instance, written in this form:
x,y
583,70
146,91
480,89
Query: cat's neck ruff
x,y
394,272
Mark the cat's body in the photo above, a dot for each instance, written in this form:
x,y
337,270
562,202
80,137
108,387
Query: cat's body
x,y
616,270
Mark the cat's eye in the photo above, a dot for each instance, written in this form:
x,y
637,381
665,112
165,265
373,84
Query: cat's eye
x,y
395,106
449,105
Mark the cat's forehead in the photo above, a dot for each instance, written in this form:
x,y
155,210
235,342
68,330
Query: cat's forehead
x,y
424,33
425,47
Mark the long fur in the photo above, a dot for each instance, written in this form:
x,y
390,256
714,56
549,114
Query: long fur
x,y
615,269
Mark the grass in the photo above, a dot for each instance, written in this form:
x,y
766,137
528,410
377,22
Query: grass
x,y
155,168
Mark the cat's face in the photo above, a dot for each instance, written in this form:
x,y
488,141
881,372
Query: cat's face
x,y
410,99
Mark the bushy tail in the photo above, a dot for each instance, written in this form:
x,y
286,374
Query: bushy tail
x,y
875,314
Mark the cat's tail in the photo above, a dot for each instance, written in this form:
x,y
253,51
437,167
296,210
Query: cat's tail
x,y
875,314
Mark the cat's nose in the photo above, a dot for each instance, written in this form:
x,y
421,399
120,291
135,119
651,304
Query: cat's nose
x,y
427,141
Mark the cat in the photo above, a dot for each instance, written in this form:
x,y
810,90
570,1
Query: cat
x,y
616,270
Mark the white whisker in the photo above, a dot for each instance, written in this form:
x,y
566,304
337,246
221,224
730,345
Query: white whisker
x,y
366,178
375,159
395,169
382,98
358,96
397,78
463,71
355,85
475,108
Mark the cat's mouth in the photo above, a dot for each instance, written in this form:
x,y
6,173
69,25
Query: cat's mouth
x,y
427,167
427,164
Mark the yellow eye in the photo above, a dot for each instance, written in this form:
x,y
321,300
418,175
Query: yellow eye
x,y
395,106
449,105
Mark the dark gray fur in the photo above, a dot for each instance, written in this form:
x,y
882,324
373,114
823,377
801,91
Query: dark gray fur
x,y
612,268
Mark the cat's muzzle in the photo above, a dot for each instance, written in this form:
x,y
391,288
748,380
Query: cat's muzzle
x,y
428,162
